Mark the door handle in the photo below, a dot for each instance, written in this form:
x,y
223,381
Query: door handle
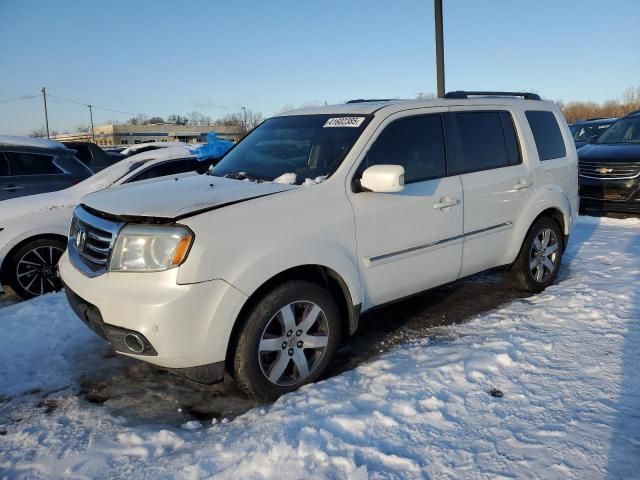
x,y
11,188
446,202
522,185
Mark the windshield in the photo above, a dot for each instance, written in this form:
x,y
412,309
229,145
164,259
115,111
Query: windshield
x,y
588,131
293,149
626,130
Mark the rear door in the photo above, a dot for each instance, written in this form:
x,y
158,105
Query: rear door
x,y
408,241
496,183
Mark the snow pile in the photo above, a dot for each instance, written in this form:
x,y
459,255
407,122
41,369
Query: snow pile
x,y
286,179
543,387
314,181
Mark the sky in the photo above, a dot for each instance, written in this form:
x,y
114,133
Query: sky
x,y
162,57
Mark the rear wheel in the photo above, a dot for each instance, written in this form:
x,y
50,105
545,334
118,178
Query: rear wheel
x,y
33,268
540,256
287,340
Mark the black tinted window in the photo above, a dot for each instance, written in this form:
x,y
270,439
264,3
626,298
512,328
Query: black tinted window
x,y
22,163
4,166
547,135
73,166
485,140
416,143
167,168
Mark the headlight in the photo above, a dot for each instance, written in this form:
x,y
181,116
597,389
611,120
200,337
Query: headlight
x,y
149,248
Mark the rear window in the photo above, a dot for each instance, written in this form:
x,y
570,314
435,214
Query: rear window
x,y
73,166
547,134
23,163
4,166
173,167
486,140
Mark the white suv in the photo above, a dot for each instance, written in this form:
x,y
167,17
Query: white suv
x,y
317,216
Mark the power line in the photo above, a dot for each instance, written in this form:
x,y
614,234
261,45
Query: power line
x,y
94,106
19,98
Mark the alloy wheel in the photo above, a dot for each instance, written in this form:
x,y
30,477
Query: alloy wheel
x,y
293,343
544,255
37,270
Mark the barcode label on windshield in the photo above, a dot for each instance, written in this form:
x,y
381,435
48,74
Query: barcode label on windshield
x,y
344,122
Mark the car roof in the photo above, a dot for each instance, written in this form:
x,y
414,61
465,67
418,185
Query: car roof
x,y
30,142
363,107
595,120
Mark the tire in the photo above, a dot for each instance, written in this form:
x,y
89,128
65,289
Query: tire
x,y
289,343
33,268
535,255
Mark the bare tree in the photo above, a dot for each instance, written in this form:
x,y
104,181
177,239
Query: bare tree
x,y
177,119
155,120
84,128
138,120
197,118
629,101
38,132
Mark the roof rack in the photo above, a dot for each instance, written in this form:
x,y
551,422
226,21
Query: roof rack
x,y
467,94
371,100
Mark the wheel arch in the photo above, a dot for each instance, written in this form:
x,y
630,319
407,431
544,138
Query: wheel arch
x,y
318,274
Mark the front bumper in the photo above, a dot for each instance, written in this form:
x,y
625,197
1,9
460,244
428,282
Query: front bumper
x,y
610,195
186,326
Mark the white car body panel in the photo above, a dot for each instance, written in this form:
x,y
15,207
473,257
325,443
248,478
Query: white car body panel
x,y
50,213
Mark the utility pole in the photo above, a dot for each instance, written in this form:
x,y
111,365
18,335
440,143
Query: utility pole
x,y
437,4
46,114
93,135
244,120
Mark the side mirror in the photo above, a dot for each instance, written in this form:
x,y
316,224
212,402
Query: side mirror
x,y
383,178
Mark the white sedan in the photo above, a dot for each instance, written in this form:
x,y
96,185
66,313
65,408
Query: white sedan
x,y
34,229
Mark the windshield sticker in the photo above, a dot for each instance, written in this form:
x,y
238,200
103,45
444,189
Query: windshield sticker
x,y
344,122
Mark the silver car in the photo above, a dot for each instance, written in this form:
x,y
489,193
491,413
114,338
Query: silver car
x,y
33,165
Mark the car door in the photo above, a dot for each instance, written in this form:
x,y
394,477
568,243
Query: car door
x,y
411,240
496,182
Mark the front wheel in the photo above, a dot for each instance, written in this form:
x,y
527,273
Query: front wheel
x,y
539,260
287,340
33,268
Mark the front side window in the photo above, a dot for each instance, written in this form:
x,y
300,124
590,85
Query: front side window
x,y
416,143
625,130
23,163
547,135
292,149
484,140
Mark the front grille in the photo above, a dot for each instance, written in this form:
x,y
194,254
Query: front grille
x,y
91,240
609,170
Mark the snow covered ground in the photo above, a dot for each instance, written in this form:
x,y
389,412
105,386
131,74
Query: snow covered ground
x,y
563,367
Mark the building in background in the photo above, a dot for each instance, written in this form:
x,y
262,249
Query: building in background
x,y
125,134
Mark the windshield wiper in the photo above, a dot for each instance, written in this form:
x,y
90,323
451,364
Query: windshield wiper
x,y
239,176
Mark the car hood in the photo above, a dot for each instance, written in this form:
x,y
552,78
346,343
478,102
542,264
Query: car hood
x,y
14,208
613,152
178,197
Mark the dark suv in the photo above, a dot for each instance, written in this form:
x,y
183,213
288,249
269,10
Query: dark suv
x,y
610,168
586,131
93,156
32,165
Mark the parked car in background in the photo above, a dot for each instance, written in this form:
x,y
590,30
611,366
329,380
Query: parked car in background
x,y
33,230
610,168
316,216
34,165
93,156
146,147
589,130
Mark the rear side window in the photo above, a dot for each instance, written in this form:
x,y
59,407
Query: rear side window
x,y
23,163
73,166
416,143
166,168
486,140
547,135
4,166
82,153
